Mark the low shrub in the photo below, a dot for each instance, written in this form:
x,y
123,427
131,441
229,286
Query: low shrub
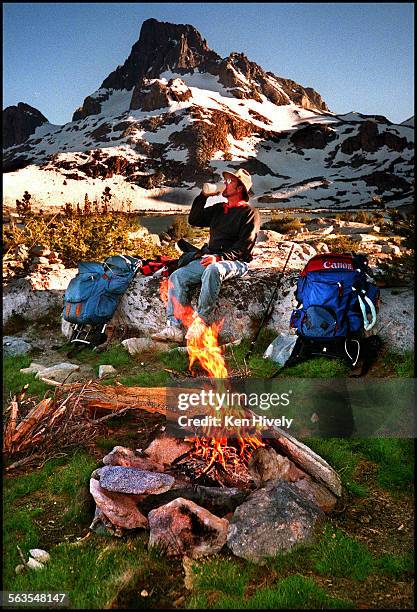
x,y
81,234
283,224
343,244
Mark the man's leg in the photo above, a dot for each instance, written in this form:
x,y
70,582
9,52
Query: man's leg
x,y
211,281
179,284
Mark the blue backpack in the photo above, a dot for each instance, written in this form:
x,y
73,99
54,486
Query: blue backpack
x,y
337,303
93,295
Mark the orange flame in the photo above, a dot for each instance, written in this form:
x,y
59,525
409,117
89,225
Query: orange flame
x,y
163,290
205,349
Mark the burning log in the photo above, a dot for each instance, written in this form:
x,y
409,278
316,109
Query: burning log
x,y
219,500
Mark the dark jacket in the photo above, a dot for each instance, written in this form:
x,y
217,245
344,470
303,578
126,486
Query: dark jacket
x,y
232,234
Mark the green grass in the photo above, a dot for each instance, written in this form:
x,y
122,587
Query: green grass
x,y
255,364
115,355
107,444
92,574
338,452
320,367
395,459
294,592
337,554
69,478
401,363
174,359
229,576
395,566
26,484
145,379
14,380
62,482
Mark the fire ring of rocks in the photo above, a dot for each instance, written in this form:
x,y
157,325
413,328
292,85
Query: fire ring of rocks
x,y
256,499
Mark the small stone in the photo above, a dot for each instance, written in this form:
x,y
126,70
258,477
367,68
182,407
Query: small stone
x,y
59,372
322,247
106,370
391,249
41,261
138,345
134,481
327,230
40,555
33,368
33,564
364,238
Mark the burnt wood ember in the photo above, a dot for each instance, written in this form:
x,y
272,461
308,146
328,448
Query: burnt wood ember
x,y
219,500
219,462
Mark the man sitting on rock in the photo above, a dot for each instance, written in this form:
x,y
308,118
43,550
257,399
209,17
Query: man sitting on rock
x,y
233,229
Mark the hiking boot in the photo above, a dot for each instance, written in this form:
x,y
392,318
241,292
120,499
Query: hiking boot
x,y
170,333
196,329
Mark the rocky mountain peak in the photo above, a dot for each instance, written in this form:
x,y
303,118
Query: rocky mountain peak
x,y
161,46
181,49
19,122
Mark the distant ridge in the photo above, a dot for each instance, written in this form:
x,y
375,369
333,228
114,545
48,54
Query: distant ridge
x,y
175,114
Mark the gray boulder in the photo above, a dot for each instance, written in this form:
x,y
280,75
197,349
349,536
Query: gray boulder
x,y
33,296
132,480
272,520
13,346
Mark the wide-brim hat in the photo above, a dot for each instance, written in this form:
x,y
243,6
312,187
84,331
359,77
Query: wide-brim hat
x,y
243,176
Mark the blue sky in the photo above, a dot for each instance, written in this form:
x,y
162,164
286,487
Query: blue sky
x,y
358,56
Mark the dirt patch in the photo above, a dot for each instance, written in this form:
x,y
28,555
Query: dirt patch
x,y
382,521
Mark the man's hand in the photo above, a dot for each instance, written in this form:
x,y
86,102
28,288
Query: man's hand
x,y
206,260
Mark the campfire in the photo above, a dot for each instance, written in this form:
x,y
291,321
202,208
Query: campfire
x,y
212,460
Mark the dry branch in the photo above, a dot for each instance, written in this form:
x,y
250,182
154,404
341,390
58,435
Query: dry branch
x,y
72,417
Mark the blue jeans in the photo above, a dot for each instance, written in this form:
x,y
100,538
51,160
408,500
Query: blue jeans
x,y
211,278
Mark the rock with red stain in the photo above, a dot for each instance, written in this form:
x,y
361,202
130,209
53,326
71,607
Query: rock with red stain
x,y
184,528
273,520
120,509
126,457
167,448
121,479
266,464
